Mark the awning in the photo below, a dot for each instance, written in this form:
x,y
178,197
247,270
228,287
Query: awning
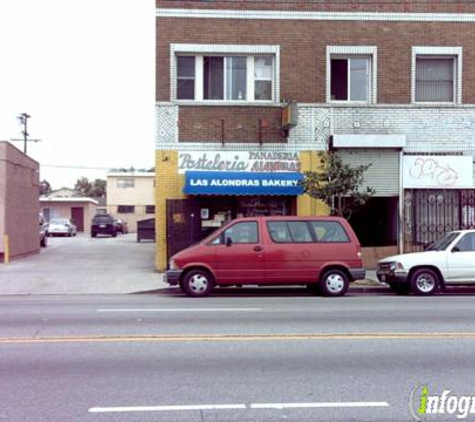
x,y
242,183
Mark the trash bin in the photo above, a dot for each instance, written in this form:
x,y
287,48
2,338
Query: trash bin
x,y
146,229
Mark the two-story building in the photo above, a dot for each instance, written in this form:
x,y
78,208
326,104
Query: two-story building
x,y
247,96
131,196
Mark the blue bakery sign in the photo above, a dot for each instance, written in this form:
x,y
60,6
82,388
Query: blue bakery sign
x,y
242,183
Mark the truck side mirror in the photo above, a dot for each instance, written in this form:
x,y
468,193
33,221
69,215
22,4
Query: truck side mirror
x,y
229,241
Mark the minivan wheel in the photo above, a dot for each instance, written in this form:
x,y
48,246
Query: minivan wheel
x,y
424,282
197,283
334,283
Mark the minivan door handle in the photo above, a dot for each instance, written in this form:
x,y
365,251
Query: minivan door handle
x,y
258,248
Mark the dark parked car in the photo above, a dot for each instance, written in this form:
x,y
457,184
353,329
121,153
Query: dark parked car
x,y
121,226
103,224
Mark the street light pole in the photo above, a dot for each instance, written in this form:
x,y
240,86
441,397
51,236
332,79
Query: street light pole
x,y
24,121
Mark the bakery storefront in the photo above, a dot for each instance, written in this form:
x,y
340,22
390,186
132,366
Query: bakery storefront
x,y
222,185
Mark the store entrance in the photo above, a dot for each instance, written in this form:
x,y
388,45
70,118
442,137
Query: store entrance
x,y
215,211
191,220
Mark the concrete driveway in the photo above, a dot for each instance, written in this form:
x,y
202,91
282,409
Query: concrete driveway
x,y
82,265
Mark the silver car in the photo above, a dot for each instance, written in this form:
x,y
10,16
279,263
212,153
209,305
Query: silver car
x,y
61,227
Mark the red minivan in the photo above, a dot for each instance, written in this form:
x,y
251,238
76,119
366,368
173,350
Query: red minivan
x,y
320,252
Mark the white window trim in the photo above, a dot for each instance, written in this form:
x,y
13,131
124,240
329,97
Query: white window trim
x,y
442,52
371,51
199,50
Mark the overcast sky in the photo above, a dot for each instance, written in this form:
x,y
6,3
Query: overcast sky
x,y
84,71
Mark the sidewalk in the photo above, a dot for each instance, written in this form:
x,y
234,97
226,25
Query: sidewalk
x,y
103,265
83,265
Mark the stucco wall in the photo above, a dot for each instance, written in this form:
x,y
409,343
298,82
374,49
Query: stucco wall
x,y
63,210
138,196
19,204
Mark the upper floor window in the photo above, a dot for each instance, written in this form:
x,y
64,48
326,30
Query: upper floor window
x,y
437,74
350,79
351,74
185,87
230,78
435,79
125,183
225,73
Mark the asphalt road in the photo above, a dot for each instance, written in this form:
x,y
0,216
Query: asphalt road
x,y
254,357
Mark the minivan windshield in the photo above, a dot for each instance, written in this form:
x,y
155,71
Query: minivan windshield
x,y
443,243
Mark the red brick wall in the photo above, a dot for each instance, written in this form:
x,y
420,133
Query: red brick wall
x,y
400,6
303,50
230,124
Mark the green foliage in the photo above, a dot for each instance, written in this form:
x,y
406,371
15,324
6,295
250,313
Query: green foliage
x,y
338,185
45,188
95,189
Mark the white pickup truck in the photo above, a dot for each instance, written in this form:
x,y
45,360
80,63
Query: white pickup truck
x,y
448,261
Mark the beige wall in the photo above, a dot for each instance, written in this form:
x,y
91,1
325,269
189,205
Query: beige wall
x,y
139,196
62,209
19,205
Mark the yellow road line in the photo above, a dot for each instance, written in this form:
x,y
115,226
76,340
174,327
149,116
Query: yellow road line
x,y
242,338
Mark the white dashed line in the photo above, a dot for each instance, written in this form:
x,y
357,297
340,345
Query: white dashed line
x,y
182,310
254,406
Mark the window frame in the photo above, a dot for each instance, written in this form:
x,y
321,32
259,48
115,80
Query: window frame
x,y
129,209
307,223
438,53
329,242
355,52
123,180
200,51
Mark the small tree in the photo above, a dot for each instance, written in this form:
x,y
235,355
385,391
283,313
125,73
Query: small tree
x,y
45,188
338,185
92,189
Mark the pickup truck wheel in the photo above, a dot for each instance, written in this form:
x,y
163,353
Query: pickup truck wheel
x,y
197,283
424,282
334,283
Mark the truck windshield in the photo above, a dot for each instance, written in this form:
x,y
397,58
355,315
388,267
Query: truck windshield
x,y
443,243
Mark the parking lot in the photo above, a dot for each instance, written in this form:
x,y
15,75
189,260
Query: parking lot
x,y
82,265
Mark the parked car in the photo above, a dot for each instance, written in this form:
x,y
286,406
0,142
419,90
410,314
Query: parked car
x,y
61,227
103,224
448,261
320,252
121,226
43,231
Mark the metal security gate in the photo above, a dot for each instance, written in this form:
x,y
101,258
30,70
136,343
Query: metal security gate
x,y
429,213
183,224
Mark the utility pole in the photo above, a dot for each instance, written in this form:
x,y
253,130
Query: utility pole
x,y
24,121
23,118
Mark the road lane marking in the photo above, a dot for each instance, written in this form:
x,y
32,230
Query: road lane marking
x,y
259,406
238,338
281,406
181,310
167,408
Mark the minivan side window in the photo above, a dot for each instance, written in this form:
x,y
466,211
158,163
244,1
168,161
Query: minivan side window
x,y
245,232
329,232
289,232
279,232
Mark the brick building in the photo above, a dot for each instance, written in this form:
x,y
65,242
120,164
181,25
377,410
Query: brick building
x,y
19,205
382,83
